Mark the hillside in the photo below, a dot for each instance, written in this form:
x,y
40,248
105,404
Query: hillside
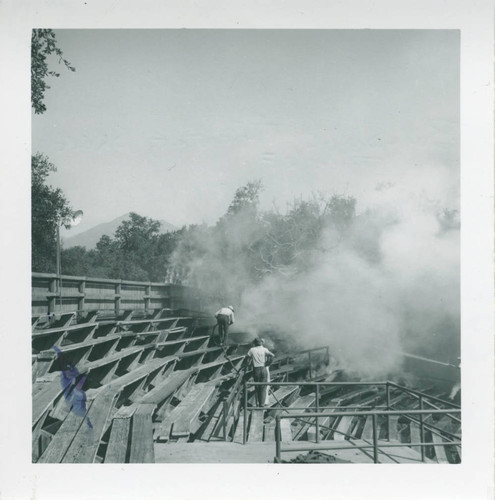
x,y
90,237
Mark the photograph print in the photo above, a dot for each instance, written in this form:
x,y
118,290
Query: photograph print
x,y
245,246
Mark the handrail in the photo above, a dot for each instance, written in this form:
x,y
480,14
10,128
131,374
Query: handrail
x,y
317,386
424,395
387,385
374,414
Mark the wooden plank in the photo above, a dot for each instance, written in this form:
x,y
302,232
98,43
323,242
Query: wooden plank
x,y
394,422
269,434
215,425
239,430
67,349
140,373
35,439
142,451
301,402
61,441
415,436
285,430
44,397
183,417
119,439
41,368
280,394
343,427
255,434
125,411
64,329
439,450
86,441
165,388
368,429
45,393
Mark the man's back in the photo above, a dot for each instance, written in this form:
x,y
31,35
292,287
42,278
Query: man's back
x,y
259,354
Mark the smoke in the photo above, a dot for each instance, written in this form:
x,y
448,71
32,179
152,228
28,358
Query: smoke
x,y
386,283
390,285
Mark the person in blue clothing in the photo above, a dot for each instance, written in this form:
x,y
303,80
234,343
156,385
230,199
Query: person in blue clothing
x,y
225,318
73,392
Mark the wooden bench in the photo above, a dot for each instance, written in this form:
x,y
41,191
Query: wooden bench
x,y
142,451
44,396
45,339
141,373
345,424
84,446
181,421
60,320
119,436
255,433
76,353
166,388
61,441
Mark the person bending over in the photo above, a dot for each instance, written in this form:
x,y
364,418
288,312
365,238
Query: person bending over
x,y
225,318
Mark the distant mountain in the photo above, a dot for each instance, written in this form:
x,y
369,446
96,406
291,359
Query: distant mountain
x,y
90,238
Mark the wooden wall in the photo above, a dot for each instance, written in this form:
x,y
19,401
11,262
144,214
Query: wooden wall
x,y
81,293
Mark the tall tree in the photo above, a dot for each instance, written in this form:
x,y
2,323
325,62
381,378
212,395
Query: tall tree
x,y
49,208
43,45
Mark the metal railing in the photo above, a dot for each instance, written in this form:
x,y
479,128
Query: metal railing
x,y
386,410
313,354
316,406
239,387
372,445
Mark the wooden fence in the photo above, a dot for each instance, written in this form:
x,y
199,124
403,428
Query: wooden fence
x,y
52,294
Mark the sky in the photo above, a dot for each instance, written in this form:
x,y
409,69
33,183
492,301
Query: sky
x,y
169,123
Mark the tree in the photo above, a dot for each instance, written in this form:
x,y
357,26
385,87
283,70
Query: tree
x,y
246,198
43,45
49,208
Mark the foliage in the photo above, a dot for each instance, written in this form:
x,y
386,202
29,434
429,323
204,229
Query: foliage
x,y
49,208
136,252
246,198
243,247
246,244
43,45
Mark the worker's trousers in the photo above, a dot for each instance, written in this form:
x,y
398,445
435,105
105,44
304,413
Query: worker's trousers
x,y
260,374
223,322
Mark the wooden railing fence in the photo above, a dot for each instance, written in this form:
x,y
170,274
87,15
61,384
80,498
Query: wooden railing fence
x,y
53,294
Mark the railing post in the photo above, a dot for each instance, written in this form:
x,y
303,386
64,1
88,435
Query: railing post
x,y
375,439
278,437
52,301
82,289
244,428
147,298
225,420
118,292
317,395
421,429
387,389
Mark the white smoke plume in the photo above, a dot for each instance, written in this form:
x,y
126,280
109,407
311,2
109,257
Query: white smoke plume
x,y
388,284
392,284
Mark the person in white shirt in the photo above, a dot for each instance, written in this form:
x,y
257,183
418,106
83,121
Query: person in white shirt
x,y
225,318
260,357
